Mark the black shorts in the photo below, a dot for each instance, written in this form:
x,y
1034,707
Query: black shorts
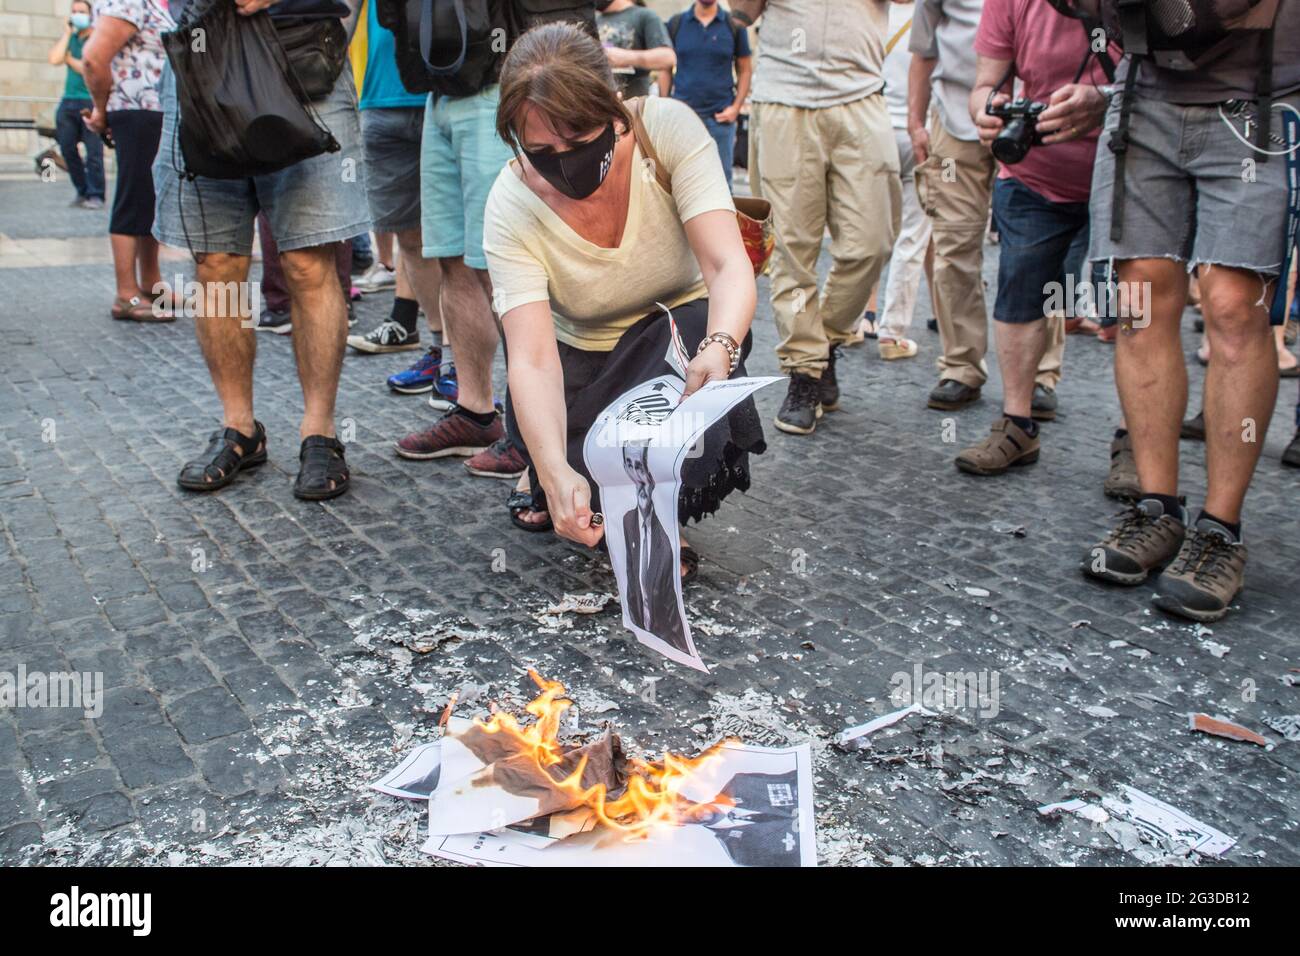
x,y
135,136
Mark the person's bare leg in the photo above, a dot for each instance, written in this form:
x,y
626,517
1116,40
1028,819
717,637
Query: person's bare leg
x,y
124,265
467,317
146,260
383,242
320,330
423,278
1020,349
226,337
1285,357
1150,372
1240,384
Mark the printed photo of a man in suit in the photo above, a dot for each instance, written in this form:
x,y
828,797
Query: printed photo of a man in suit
x,y
755,819
652,564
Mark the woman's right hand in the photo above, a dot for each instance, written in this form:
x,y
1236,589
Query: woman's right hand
x,y
568,499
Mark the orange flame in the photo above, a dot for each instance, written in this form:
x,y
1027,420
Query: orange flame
x,y
653,792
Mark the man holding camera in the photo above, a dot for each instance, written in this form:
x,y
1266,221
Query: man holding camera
x,y
954,181
1186,182
1045,138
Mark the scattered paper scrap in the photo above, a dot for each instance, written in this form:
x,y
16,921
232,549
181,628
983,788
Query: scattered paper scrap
x,y
1088,811
580,604
1288,725
879,723
1164,823
1099,711
1222,727
1215,648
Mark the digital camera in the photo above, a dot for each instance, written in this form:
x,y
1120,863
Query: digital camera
x,y
1019,130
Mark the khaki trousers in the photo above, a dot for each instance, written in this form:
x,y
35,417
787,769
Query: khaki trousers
x,y
825,169
955,187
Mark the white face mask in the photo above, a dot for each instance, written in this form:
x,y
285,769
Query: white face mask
x,y
80,21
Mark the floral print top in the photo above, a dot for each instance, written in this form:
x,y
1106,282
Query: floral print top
x,y
138,66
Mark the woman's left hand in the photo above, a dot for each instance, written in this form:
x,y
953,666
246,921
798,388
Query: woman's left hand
x,y
711,365
96,121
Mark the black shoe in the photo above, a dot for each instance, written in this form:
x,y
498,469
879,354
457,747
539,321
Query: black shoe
x,y
950,395
828,391
1291,454
1043,407
932,325
801,409
1194,428
271,321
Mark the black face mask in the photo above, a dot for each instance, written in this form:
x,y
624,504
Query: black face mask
x,y
577,172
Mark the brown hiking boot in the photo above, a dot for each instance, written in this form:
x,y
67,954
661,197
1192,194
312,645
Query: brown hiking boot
x,y
1122,482
1008,446
1207,575
1145,539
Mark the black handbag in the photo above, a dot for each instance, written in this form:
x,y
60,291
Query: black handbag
x,y
317,50
241,112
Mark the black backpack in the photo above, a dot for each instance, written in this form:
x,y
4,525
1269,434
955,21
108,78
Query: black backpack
x,y
456,47
243,110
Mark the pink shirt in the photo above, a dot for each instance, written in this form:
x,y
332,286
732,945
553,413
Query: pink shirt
x,y
1047,49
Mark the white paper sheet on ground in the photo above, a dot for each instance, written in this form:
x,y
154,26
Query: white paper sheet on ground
x,y
1168,823
761,814
460,804
635,451
419,771
879,723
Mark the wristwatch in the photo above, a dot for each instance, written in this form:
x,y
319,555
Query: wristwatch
x,y
728,343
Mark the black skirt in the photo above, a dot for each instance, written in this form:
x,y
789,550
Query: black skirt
x,y
594,379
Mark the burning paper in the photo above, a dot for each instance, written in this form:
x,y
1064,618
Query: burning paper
x,y
748,806
635,451
507,792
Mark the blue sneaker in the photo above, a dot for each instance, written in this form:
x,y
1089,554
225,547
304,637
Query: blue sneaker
x,y
445,389
420,377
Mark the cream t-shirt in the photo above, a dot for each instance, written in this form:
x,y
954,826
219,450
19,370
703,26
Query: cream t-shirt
x,y
596,294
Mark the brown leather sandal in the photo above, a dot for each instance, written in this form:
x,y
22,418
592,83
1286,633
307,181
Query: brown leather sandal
x,y
136,309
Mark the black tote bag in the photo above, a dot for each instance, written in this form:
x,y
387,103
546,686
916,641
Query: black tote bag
x,y
241,106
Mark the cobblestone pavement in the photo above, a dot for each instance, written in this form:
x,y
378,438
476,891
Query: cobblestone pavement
x,y
264,658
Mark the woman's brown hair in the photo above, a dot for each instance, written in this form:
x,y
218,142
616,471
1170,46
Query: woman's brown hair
x,y
561,71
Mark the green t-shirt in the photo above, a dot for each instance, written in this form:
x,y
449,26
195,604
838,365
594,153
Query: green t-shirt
x,y
635,28
74,87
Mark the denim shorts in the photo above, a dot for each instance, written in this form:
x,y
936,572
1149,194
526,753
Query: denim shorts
x,y
1187,167
311,203
1034,240
392,139
460,158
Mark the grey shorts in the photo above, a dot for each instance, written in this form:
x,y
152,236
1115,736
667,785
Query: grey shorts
x,y
392,140
311,203
1194,191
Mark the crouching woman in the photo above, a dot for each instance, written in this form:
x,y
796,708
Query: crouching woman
x,y
582,242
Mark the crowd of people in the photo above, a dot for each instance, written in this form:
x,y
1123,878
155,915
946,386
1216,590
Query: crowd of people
x,y
587,176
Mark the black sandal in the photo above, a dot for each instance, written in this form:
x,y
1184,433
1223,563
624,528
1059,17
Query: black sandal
x,y
324,472
690,558
535,501
229,453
